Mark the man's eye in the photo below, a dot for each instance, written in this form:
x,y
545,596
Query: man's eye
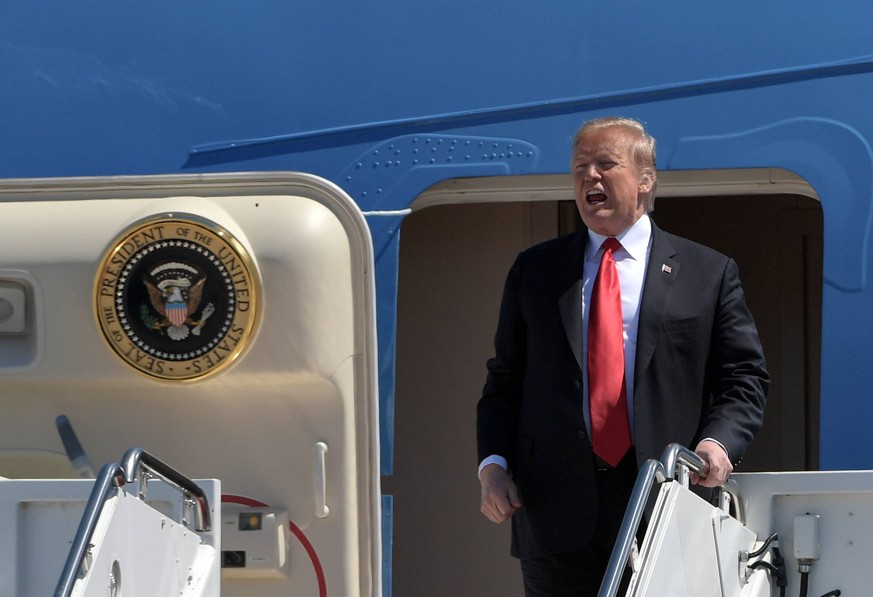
x,y
606,164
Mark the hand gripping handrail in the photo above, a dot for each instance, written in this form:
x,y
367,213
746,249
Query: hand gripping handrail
x,y
675,455
137,460
675,463
111,477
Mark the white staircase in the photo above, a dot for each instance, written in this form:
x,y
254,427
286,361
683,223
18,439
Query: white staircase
x,y
91,537
772,534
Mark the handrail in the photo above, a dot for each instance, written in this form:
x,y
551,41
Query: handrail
x,y
676,461
111,476
137,458
676,454
652,470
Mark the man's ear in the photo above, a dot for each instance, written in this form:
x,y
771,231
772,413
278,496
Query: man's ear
x,y
647,181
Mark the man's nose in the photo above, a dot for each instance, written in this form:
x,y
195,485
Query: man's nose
x,y
590,172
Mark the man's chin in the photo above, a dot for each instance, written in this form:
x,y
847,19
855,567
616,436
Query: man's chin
x,y
600,222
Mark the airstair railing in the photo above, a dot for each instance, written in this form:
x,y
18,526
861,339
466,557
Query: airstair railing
x,y
140,465
137,465
652,471
110,478
678,461
675,464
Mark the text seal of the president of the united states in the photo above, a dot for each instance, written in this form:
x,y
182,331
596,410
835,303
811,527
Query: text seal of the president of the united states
x,y
177,297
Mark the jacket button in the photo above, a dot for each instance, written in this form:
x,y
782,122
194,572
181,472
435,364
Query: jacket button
x,y
577,383
582,434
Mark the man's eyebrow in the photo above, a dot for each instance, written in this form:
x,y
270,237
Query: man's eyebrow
x,y
596,155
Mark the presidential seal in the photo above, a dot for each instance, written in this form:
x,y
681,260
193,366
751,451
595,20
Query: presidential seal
x,y
177,297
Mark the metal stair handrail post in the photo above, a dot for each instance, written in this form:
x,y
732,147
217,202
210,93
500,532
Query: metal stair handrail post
x,y
651,472
139,465
111,477
676,461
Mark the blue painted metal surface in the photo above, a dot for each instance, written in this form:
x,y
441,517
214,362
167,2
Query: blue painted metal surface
x,y
388,99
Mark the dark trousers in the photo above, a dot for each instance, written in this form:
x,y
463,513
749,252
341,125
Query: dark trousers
x,y
579,574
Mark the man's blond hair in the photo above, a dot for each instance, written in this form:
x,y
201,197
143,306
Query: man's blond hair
x,y
642,147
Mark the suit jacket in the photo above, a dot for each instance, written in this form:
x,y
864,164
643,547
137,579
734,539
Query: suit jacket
x,y
699,373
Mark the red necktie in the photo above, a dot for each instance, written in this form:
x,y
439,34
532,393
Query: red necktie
x,y
607,394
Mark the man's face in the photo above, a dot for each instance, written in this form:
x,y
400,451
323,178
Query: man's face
x,y
610,194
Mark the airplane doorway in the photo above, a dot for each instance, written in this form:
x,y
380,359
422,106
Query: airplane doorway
x,y
455,250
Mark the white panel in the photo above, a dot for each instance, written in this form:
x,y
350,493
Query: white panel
x,y
841,499
308,377
691,549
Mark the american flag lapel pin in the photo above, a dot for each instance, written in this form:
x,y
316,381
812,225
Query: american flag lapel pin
x,y
666,269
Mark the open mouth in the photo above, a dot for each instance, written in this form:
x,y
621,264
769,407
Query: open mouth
x,y
595,197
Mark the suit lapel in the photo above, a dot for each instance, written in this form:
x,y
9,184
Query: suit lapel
x,y
570,303
661,273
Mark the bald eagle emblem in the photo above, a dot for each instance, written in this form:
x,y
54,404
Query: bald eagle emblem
x,y
177,297
175,292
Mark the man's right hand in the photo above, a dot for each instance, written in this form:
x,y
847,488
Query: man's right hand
x,y
499,494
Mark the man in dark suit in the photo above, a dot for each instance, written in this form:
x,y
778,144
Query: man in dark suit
x,y
693,369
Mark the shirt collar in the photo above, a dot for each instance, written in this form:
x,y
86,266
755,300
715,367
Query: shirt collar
x,y
634,240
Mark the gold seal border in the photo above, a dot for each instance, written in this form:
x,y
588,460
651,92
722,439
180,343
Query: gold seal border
x,y
111,330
